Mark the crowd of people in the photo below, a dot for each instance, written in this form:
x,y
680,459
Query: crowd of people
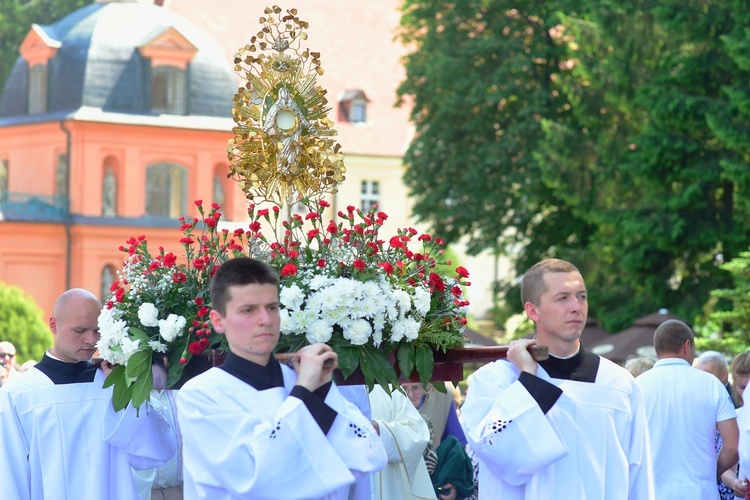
x,y
575,425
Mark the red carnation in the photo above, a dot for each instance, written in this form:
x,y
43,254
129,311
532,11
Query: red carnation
x,y
359,265
170,259
437,282
387,267
462,272
288,270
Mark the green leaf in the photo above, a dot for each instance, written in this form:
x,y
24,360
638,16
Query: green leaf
x,y
440,386
122,393
348,359
425,362
368,370
377,367
139,363
406,356
138,334
142,388
175,373
116,374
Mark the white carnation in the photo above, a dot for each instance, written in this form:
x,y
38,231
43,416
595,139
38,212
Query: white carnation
x,y
319,331
403,301
422,300
357,331
148,314
171,328
407,328
319,281
291,297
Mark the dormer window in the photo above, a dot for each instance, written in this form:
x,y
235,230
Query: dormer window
x,y
170,54
168,90
353,106
37,89
37,49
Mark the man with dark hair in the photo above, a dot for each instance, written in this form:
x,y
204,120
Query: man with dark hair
x,y
253,428
570,426
685,406
60,435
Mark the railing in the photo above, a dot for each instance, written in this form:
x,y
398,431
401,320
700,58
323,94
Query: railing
x,y
16,206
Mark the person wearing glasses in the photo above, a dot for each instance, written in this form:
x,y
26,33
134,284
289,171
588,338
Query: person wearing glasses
x,y
7,362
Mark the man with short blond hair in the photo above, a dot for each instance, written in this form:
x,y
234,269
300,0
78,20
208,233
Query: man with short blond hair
x,y
571,426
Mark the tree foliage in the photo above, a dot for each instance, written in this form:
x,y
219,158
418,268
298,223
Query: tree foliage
x,y
614,135
22,325
16,18
732,325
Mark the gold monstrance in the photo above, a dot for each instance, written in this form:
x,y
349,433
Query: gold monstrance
x,y
282,148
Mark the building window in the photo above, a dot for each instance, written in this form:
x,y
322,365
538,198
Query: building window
x,y
108,277
38,89
61,177
353,106
109,194
168,90
358,112
3,179
370,195
166,190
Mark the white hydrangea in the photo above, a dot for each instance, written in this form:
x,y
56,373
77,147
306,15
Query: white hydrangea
x,y
291,297
319,331
171,328
148,314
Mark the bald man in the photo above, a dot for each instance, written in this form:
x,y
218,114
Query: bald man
x,y
8,368
60,436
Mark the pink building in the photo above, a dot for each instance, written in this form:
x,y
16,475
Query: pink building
x,y
116,118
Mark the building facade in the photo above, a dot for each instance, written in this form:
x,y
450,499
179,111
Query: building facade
x,y
116,118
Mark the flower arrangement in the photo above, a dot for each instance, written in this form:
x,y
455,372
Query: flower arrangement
x,y
160,307
364,296
340,283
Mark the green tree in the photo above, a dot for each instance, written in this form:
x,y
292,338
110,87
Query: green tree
x,y
479,81
22,325
16,18
731,327
613,135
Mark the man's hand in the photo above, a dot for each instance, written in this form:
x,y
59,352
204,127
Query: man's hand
x,y
311,367
106,367
449,492
519,355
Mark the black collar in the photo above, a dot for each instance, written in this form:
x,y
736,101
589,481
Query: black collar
x,y
258,376
61,372
582,367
